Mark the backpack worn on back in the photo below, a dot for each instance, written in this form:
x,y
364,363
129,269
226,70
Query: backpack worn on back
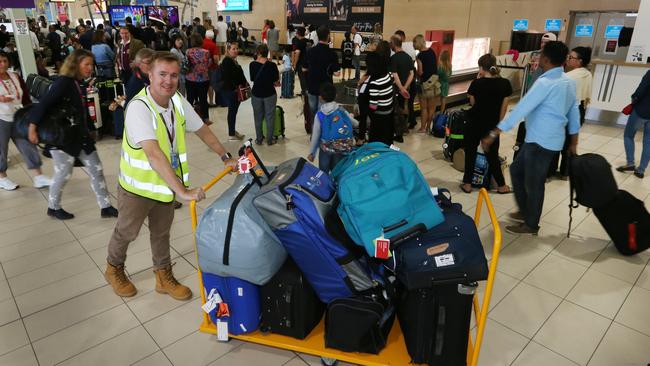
x,y
348,48
382,193
244,33
337,135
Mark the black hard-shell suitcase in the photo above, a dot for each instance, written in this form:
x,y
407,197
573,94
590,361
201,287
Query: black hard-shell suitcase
x,y
359,323
627,222
289,304
435,323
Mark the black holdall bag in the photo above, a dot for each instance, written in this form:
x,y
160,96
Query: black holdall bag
x,y
57,126
359,323
290,306
435,323
450,252
627,222
592,180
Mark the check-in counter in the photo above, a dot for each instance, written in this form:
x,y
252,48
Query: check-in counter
x,y
613,84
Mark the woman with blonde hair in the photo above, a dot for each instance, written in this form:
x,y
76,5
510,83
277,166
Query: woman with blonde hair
x,y
444,73
69,91
428,84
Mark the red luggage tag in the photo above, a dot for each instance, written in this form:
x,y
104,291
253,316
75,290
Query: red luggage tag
x,y
382,248
244,165
223,310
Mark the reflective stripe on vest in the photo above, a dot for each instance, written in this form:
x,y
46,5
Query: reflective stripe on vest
x,y
136,174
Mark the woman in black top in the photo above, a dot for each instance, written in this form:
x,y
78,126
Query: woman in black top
x,y
68,90
265,76
380,98
488,95
232,76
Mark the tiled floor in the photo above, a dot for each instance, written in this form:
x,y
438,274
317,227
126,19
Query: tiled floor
x,y
556,301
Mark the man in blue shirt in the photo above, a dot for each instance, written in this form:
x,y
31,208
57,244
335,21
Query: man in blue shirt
x,y
640,117
551,110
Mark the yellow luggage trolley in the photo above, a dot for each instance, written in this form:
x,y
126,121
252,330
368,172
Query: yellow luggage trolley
x,y
395,353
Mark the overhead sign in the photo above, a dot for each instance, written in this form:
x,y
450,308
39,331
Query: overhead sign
x,y
584,30
553,25
613,31
520,25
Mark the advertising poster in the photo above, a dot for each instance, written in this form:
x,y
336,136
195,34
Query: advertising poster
x,y
339,15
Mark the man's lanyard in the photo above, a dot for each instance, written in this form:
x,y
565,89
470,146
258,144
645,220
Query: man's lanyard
x,y
171,133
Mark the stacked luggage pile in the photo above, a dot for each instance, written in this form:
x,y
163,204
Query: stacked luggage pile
x,y
285,246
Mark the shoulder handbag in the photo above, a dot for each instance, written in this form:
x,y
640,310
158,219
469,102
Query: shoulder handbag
x,y
244,90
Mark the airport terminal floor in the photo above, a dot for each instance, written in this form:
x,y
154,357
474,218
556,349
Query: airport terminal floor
x,y
557,300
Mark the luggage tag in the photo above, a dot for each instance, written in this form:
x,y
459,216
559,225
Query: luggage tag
x,y
222,330
382,247
244,165
212,301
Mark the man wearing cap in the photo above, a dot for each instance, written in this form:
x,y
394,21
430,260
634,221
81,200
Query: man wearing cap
x,y
153,171
537,71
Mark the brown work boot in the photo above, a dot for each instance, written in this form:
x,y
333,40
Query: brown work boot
x,y
167,284
116,277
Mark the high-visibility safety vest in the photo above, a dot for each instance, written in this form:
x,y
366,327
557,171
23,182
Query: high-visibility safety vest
x,y
136,174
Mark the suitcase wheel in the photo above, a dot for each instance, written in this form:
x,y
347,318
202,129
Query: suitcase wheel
x,y
328,361
265,329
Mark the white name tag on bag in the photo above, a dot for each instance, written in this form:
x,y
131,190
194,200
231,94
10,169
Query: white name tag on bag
x,y
444,260
222,331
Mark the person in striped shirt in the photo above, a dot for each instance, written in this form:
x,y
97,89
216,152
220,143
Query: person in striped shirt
x,y
380,92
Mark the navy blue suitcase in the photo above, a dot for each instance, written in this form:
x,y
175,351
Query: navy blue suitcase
x,y
451,252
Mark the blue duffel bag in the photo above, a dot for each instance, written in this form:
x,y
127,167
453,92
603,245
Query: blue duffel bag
x,y
242,298
449,253
382,193
296,203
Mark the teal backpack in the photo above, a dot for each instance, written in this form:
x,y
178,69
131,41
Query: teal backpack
x,y
382,193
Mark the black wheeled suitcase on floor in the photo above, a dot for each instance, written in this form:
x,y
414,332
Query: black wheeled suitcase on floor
x,y
435,323
455,133
627,222
290,306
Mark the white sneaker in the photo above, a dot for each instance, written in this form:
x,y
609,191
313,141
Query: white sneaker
x,y
7,184
42,181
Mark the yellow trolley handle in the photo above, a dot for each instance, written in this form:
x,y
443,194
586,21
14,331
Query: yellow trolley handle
x,y
194,219
481,315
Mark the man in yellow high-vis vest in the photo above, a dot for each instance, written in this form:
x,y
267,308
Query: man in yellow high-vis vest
x,y
153,171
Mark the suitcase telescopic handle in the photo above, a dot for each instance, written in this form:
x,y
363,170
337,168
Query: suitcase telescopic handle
x,y
406,235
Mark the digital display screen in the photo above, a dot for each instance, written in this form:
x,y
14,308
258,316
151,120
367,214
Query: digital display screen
x,y
119,13
234,5
163,14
